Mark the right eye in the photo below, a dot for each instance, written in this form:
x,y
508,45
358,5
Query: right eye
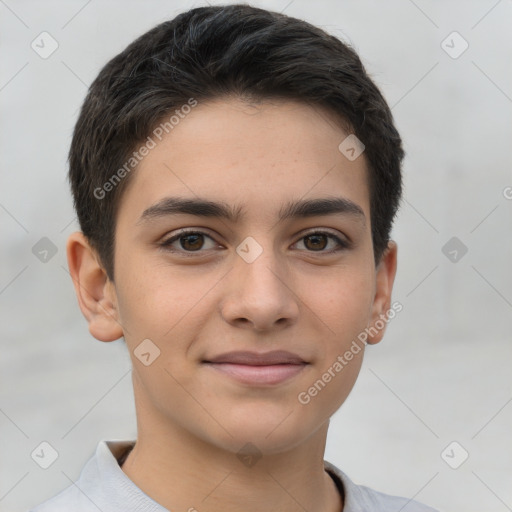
x,y
190,241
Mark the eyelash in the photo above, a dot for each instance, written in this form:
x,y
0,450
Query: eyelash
x,y
343,245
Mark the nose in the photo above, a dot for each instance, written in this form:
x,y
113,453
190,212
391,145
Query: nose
x,y
259,291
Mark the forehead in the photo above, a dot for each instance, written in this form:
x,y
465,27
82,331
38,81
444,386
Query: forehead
x,y
260,157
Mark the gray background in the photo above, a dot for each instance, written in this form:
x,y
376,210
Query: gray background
x,y
442,373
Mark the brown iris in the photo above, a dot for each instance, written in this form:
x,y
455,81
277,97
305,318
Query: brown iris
x,y
316,239
194,244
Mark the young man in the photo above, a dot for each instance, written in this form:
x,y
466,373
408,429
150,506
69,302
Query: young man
x,y
235,174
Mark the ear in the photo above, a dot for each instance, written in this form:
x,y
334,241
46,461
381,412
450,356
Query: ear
x,y
385,278
95,292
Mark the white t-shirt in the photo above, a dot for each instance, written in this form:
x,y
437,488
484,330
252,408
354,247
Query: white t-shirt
x,y
104,486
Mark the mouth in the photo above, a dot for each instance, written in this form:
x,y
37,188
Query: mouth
x,y
269,368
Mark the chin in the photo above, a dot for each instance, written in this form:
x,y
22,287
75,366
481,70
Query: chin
x,y
273,431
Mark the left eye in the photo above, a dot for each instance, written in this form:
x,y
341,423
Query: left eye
x,y
193,241
318,242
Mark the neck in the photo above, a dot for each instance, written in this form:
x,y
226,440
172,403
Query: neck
x,y
182,472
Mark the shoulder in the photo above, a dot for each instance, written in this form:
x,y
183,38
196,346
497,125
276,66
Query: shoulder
x,y
359,498
101,485
62,502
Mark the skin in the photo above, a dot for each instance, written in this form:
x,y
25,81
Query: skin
x,y
192,421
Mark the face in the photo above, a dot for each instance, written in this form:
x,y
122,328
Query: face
x,y
200,285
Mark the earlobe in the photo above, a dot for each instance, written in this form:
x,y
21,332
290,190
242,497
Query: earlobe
x,y
95,292
385,278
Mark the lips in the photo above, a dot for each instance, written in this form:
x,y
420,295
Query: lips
x,y
252,368
258,359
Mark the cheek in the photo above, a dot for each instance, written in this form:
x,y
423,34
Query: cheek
x,y
156,297
343,301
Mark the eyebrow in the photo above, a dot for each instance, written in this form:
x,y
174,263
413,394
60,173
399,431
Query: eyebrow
x,y
292,210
